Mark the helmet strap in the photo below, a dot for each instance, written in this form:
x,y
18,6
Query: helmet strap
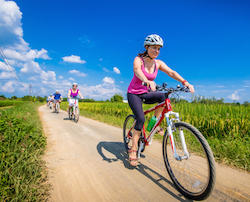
x,y
147,55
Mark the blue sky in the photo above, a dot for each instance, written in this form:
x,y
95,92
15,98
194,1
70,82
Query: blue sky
x,y
51,44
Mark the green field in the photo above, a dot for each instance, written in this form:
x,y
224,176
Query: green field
x,y
22,144
226,127
5,103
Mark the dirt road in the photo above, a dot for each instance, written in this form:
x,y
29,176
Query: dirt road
x,y
87,162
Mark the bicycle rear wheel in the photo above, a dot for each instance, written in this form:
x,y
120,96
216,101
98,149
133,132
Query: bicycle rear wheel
x,y
195,176
128,126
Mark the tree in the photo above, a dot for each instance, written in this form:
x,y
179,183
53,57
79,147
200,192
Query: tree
x,y
13,97
246,103
25,98
2,97
117,98
40,99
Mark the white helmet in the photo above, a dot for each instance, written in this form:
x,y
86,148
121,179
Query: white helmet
x,y
57,91
153,39
74,84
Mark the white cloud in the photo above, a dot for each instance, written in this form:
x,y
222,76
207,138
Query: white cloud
x,y
82,74
32,54
71,79
31,67
6,75
121,81
4,67
116,70
105,69
74,71
234,96
60,77
77,73
32,78
98,91
108,80
100,59
8,87
13,54
10,22
26,55
48,76
73,59
12,86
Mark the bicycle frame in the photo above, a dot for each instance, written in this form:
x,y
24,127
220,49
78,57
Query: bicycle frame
x,y
74,107
167,112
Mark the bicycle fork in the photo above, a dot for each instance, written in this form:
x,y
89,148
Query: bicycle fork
x,y
170,129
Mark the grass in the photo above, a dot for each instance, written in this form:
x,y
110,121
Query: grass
x,y
226,127
5,103
22,143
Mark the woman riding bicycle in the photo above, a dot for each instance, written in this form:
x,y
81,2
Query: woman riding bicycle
x,y
145,70
73,93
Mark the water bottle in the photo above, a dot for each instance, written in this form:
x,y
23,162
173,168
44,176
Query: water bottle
x,y
151,123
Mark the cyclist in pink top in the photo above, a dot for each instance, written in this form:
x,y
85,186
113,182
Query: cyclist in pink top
x,y
145,70
73,93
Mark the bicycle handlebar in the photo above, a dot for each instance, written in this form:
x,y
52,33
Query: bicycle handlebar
x,y
170,90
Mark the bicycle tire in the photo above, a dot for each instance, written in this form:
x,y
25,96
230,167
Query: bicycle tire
x,y
126,126
192,134
58,107
70,116
77,116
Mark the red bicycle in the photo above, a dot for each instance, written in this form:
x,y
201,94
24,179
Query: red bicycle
x,y
187,156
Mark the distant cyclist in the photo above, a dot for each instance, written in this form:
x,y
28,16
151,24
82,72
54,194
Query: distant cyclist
x,y
145,70
57,97
50,99
73,93
47,101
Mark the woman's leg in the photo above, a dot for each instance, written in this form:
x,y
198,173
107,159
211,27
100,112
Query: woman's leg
x,y
135,104
153,97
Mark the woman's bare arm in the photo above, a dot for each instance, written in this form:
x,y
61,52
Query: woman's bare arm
x,y
173,74
80,94
69,94
138,72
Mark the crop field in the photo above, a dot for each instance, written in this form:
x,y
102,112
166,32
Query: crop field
x,y
226,127
22,144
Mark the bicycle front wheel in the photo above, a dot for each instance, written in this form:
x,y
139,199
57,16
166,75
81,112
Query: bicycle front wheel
x,y
58,107
194,176
70,114
77,114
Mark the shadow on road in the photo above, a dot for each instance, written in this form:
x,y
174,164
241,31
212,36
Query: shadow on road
x,y
117,148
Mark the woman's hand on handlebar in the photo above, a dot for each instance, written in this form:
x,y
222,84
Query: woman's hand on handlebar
x,y
151,84
190,87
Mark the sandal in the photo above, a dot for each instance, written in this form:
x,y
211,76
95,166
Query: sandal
x,y
131,160
160,131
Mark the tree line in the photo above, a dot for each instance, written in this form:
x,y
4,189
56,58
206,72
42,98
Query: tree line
x,y
119,98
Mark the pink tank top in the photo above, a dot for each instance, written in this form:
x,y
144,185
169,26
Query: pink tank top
x,y
135,86
74,95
